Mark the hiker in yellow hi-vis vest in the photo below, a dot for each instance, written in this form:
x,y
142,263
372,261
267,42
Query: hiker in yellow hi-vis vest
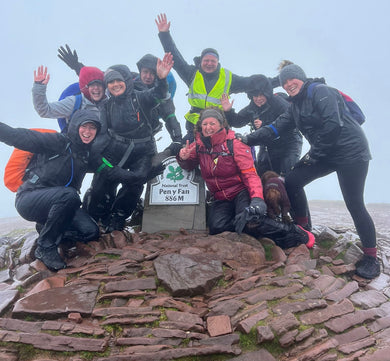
x,y
206,80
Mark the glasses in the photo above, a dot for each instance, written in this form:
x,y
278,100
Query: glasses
x,y
89,126
95,85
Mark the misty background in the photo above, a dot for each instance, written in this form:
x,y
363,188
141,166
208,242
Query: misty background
x,y
346,42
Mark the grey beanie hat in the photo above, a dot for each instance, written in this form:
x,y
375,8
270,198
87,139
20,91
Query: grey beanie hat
x,y
212,113
291,71
111,75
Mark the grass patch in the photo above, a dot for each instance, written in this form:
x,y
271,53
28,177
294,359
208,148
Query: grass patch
x,y
205,358
248,342
268,251
108,255
279,271
327,244
274,348
114,329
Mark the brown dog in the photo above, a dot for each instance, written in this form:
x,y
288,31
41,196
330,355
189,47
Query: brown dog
x,y
275,195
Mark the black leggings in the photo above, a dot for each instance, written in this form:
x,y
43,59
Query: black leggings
x,y
351,178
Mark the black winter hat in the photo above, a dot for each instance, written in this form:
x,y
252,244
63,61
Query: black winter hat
x,y
291,71
148,61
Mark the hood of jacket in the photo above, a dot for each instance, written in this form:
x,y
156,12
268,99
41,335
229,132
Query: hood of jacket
x,y
259,84
79,117
148,61
87,75
127,76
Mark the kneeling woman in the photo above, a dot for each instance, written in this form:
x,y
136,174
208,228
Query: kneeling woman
x,y
49,193
226,165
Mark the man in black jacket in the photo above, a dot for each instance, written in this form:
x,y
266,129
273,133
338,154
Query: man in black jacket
x,y
206,79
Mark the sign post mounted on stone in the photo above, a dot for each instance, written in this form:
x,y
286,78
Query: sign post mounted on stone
x,y
174,200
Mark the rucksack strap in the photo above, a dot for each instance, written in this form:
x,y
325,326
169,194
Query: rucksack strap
x,y
229,143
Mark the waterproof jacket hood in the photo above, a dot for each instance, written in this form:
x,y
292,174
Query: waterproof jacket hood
x,y
89,74
79,117
259,85
148,61
126,74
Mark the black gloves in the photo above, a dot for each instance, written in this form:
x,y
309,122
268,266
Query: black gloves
x,y
119,175
306,160
155,171
242,138
70,58
175,147
254,213
257,207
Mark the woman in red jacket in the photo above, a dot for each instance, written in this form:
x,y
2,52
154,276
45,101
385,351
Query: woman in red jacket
x,y
226,165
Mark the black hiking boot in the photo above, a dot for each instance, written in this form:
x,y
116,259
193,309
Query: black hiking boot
x,y
136,217
116,223
368,267
50,258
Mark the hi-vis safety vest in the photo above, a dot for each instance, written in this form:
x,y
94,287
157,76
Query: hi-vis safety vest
x,y
198,97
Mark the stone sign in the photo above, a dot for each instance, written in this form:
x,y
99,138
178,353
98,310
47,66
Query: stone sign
x,y
176,199
174,186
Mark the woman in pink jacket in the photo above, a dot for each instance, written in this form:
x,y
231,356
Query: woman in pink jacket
x,y
227,167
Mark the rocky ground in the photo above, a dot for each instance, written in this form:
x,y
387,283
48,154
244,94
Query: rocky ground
x,y
189,296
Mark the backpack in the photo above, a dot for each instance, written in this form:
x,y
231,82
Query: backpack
x,y
351,107
72,89
16,166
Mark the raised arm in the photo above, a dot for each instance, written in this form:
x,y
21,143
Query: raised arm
x,y
185,70
57,109
162,23
164,66
70,58
41,76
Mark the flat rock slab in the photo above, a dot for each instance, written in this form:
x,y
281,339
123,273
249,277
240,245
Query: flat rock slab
x,y
57,302
7,297
188,275
368,299
262,355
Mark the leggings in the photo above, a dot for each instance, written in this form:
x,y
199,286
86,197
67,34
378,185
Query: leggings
x,y
351,179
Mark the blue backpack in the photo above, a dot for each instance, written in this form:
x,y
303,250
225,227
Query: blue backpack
x,y
72,89
171,84
352,108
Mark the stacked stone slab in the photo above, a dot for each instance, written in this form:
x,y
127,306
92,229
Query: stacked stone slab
x,y
169,295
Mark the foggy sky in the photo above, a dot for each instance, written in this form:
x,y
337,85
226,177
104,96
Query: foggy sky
x,y
346,42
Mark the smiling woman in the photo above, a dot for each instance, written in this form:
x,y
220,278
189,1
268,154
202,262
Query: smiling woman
x,y
49,194
337,144
87,132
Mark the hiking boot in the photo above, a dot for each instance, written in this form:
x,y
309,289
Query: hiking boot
x,y
368,267
50,258
117,223
311,240
136,217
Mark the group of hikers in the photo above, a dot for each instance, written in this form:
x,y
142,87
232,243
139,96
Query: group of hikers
x,y
109,131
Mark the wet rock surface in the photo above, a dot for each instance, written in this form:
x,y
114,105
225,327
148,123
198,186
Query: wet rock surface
x,y
190,296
